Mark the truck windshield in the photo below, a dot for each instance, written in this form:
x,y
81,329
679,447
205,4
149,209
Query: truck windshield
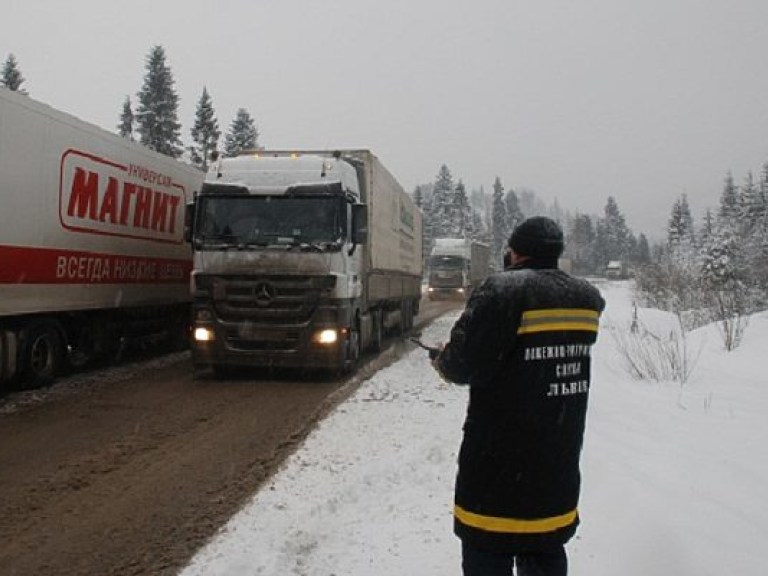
x,y
446,262
270,220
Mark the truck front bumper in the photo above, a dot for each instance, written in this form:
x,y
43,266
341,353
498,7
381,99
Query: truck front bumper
x,y
445,293
314,344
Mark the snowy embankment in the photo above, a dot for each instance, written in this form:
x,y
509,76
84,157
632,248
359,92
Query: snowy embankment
x,y
675,477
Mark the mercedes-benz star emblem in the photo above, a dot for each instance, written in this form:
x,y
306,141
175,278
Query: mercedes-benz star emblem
x,y
264,294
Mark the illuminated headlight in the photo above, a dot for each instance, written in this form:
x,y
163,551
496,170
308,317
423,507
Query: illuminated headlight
x,y
204,315
328,336
430,289
203,335
460,290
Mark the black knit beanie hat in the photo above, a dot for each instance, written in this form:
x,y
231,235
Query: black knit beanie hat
x,y
538,237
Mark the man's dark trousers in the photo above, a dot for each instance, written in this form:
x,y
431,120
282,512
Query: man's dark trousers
x,y
541,563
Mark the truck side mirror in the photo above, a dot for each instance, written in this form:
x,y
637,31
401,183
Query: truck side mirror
x,y
359,223
189,219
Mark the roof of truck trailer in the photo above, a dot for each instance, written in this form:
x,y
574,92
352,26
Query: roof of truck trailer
x,y
267,173
451,247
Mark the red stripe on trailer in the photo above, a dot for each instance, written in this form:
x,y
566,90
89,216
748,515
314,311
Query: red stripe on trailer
x,y
30,265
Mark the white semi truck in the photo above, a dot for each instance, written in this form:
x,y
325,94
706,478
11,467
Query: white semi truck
x,y
456,267
302,259
92,247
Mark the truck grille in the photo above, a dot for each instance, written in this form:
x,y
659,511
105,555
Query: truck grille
x,y
289,300
445,280
267,314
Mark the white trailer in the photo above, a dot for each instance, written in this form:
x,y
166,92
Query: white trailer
x,y
92,246
302,259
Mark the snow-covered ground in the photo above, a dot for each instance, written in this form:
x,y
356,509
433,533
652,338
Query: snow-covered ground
x,y
675,478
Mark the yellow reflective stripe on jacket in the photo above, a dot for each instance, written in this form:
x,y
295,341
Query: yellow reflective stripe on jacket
x,y
514,525
557,319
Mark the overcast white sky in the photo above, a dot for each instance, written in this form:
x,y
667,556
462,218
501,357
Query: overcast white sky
x,y
578,100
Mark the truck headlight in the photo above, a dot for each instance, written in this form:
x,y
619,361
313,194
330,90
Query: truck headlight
x,y
327,336
203,335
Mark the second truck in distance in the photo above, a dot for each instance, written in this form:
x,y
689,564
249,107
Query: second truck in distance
x,y
456,267
302,259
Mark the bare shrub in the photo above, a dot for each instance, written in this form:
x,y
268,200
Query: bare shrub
x,y
730,310
651,356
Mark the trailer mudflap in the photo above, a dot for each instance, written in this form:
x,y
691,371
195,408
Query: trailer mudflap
x,y
8,354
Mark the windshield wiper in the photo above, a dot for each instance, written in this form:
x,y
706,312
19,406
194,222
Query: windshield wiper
x,y
260,243
218,241
317,245
308,246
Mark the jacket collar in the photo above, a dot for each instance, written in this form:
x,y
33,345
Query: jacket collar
x,y
535,264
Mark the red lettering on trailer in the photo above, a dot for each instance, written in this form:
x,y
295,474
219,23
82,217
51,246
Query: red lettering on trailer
x,y
109,203
97,196
85,194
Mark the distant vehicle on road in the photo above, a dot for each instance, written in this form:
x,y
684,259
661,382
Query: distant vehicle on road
x,y
456,267
617,269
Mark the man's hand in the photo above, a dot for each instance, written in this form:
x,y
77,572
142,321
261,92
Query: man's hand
x,y
434,354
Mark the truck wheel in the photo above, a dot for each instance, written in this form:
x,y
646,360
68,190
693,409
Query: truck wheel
x,y
42,354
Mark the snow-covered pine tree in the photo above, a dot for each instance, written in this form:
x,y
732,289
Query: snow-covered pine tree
x,y
754,234
729,202
125,128
500,230
725,287
580,247
442,204
462,221
751,208
734,258
680,228
205,132
763,191
479,231
682,257
157,112
530,204
514,214
480,205
12,78
707,227
242,134
613,234
643,255
418,196
424,192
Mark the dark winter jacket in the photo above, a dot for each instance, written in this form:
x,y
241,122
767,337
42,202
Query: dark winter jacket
x,y
523,345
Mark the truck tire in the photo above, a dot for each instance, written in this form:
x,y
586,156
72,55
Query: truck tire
x,y
42,354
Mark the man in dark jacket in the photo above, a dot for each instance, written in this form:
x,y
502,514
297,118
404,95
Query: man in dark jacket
x,y
523,345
